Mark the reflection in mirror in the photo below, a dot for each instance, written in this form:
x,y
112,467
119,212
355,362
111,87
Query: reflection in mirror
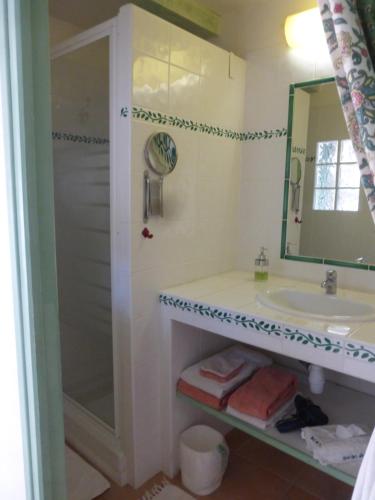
x,y
326,212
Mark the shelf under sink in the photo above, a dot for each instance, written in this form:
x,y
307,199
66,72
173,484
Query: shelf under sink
x,y
342,405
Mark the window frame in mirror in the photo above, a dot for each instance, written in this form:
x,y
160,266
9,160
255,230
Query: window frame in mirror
x,y
285,209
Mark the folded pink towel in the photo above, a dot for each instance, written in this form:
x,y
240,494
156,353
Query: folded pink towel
x,y
264,393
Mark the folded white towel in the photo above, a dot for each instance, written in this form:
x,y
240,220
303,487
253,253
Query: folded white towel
x,y
336,444
250,355
263,424
252,359
193,377
225,362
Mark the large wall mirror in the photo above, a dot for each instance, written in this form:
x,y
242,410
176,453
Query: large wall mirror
x,y
326,218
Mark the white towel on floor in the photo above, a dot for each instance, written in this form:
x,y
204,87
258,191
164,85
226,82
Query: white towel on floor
x,y
336,444
263,424
364,488
83,481
166,492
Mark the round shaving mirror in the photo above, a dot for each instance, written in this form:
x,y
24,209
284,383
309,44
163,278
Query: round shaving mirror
x,y
161,153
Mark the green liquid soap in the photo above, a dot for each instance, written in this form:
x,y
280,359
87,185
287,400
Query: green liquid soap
x,y
261,266
261,275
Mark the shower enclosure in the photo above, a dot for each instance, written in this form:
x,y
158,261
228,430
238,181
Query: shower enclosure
x,y
82,106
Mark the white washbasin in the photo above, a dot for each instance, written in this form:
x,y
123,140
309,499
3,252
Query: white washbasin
x,y
317,305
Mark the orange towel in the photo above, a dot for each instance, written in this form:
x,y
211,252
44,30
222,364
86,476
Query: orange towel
x,y
264,393
202,396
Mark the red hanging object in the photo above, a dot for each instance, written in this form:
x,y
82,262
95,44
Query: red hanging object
x,y
146,234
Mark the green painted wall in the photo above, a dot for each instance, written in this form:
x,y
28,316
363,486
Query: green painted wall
x,y
188,14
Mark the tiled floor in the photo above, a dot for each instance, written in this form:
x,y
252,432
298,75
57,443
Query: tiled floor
x,y
258,472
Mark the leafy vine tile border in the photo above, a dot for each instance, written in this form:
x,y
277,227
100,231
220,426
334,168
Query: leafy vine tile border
x,y
175,121
359,352
266,327
85,139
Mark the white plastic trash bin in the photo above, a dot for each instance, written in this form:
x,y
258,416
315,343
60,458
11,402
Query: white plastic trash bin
x,y
204,458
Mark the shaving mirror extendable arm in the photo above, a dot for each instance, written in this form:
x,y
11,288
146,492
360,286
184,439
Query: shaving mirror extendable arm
x,y
161,157
326,219
295,182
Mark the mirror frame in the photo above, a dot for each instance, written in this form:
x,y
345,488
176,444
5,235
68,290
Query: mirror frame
x,y
284,224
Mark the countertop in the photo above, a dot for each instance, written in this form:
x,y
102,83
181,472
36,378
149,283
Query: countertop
x,y
237,292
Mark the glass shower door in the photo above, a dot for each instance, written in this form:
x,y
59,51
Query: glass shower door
x,y
80,104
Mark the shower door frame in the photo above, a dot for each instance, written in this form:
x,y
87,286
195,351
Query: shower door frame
x,y
117,439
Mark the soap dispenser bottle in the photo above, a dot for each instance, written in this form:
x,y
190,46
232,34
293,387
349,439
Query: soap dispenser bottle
x,y
261,266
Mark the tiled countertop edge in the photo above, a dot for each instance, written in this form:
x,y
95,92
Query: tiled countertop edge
x,y
331,344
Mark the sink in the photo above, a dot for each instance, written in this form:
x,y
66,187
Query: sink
x,y
317,306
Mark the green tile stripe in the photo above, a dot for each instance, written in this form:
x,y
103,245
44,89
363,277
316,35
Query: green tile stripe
x,y
359,352
343,263
304,258
262,326
66,136
175,121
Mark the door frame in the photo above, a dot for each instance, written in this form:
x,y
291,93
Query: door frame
x,y
27,118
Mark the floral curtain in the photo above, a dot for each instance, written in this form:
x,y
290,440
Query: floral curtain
x,y
349,26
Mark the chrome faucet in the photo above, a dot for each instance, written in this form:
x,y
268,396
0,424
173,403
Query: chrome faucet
x,y
330,283
361,260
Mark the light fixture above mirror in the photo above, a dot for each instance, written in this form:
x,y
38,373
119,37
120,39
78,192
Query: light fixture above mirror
x,y
304,30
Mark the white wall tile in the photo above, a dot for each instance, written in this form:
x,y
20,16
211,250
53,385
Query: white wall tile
x,y
197,236
185,50
153,38
214,61
184,93
150,82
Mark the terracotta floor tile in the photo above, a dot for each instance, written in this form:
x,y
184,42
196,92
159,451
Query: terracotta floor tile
x,y
257,471
236,438
322,485
272,459
245,481
296,493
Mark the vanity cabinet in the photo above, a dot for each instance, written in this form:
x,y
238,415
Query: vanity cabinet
x,y
202,317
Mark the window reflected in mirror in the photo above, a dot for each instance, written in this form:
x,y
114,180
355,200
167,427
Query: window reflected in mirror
x,y
337,178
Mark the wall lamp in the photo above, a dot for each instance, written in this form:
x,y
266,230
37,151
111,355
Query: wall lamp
x,y
305,30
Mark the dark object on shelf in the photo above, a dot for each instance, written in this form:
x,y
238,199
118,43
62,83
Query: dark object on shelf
x,y
307,414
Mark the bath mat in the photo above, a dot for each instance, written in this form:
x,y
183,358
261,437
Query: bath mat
x,y
83,481
166,491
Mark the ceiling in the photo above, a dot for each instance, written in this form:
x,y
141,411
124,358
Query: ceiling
x,y
86,13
